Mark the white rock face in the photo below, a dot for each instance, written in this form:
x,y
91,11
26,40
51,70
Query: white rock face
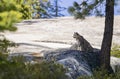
x,y
39,34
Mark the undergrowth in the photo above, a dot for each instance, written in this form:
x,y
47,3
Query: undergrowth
x,y
16,68
102,74
115,51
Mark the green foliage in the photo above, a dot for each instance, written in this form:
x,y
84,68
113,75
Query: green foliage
x,y
7,6
85,8
5,44
117,74
48,70
37,10
31,7
102,74
8,19
13,11
10,13
24,7
115,51
16,68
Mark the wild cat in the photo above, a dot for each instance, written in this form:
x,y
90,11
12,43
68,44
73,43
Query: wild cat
x,y
81,43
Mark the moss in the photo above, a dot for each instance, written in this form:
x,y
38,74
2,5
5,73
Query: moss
x,y
115,51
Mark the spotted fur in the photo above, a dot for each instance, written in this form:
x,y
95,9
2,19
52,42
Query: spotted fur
x,y
81,43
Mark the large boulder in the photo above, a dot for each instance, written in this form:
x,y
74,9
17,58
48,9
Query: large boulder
x,y
77,62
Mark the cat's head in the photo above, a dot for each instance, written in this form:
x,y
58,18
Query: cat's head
x,y
76,35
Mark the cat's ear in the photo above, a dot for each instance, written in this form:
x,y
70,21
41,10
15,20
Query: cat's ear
x,y
77,33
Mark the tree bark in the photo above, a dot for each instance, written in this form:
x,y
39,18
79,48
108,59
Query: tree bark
x,y
108,33
56,6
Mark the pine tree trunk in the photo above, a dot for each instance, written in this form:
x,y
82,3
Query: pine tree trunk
x,y
108,32
56,3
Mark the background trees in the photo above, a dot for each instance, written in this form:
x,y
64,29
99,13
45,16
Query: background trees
x,y
12,12
52,9
86,8
9,14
